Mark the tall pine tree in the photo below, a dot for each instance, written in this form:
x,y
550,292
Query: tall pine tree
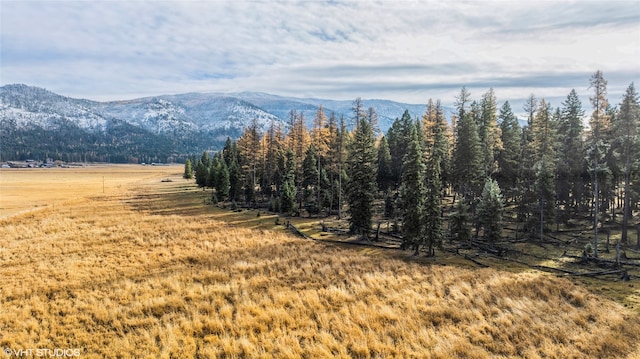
x,y
543,143
467,170
437,158
598,147
385,176
626,128
413,195
490,211
509,156
571,162
361,170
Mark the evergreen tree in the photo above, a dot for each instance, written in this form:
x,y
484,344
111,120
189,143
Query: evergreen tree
x,y
202,172
438,153
228,151
543,143
310,176
385,176
206,161
490,211
222,180
467,171
527,197
459,219
288,193
398,138
211,176
413,195
235,181
188,171
598,148
509,156
626,129
571,162
490,140
361,170
273,143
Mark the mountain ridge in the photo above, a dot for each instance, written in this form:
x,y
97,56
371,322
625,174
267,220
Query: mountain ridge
x,y
180,124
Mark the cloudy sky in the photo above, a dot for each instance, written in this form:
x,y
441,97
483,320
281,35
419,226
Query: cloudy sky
x,y
400,50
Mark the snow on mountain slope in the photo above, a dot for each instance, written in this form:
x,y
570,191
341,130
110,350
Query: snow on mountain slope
x,y
29,106
188,120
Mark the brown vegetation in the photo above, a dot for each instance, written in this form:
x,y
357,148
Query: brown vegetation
x,y
148,271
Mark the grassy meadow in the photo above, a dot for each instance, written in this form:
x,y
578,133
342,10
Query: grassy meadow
x,y
145,269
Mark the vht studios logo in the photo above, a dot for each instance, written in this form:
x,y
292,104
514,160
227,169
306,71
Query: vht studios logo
x,y
42,352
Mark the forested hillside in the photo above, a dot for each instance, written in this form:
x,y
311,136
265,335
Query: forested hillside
x,y
567,164
39,124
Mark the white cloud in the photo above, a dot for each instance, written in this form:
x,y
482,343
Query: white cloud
x,y
406,50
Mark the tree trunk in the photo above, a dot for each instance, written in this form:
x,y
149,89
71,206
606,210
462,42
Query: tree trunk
x,y
625,205
595,210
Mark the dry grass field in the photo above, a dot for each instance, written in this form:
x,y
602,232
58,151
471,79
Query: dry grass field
x,y
146,270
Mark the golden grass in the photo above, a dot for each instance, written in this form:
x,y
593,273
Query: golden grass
x,y
148,271
26,189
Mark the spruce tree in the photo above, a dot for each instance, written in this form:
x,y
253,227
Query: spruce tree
x,y
385,176
509,156
527,198
598,147
206,161
467,170
398,138
543,143
188,171
202,172
211,176
490,140
490,211
235,181
288,192
413,194
436,161
361,170
222,180
626,128
310,177
571,162
459,219
227,151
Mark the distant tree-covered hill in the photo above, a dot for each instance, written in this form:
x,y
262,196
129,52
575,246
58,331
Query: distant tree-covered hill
x,y
39,124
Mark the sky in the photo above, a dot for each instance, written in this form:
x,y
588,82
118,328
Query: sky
x,y
407,51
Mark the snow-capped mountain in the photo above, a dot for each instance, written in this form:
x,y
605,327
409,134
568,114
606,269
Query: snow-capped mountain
x,y
177,124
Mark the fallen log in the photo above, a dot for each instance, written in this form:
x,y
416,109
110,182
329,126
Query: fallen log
x,y
552,269
497,251
603,260
297,231
466,256
599,273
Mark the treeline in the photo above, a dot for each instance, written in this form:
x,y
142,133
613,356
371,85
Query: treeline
x,y
554,171
65,141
